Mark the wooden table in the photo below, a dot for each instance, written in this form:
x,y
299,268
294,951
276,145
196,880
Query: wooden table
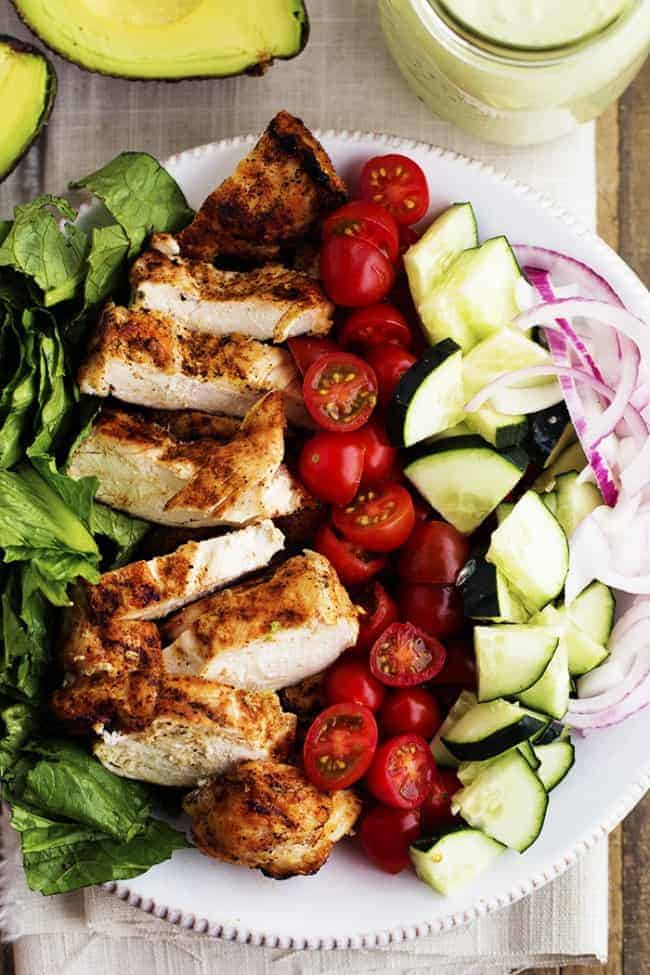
x,y
624,222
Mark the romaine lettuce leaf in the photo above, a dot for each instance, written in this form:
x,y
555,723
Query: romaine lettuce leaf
x,y
123,530
25,645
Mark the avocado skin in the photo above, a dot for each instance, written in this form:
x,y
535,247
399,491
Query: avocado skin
x,y
22,47
255,70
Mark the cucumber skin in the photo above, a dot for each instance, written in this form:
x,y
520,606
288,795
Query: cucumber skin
x,y
516,455
500,741
408,385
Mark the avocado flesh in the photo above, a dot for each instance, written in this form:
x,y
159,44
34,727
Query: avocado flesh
x,y
27,90
168,39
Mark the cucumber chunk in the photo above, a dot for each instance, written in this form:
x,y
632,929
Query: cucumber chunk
x,y
468,771
571,459
593,611
491,728
550,500
557,759
465,702
429,396
555,731
465,479
500,429
458,430
550,694
511,658
574,501
583,652
531,550
448,236
452,861
487,595
507,801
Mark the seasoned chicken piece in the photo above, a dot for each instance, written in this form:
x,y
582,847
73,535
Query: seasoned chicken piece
x,y
268,634
151,590
199,728
277,195
268,816
147,358
268,303
205,482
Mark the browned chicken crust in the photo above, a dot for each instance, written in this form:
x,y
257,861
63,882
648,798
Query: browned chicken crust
x,y
277,195
268,816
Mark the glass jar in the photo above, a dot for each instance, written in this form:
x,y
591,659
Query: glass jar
x,y
518,96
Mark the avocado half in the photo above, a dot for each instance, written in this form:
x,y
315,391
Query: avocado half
x,y
169,40
27,93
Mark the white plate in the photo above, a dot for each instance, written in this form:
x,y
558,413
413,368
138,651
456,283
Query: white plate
x,y
349,903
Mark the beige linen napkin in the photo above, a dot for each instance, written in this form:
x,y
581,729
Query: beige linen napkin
x,y
345,79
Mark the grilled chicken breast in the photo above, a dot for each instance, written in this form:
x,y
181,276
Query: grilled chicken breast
x,y
277,195
147,358
268,816
265,635
198,483
269,303
151,590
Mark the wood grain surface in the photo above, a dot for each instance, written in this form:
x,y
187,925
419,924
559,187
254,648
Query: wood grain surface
x,y
624,222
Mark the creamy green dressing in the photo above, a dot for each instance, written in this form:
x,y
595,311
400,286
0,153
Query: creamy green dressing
x,y
535,23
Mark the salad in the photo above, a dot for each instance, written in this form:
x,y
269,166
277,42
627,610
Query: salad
x,y
469,446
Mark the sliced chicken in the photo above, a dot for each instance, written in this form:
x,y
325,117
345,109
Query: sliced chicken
x,y
268,634
151,590
206,482
199,729
271,303
268,816
277,195
147,358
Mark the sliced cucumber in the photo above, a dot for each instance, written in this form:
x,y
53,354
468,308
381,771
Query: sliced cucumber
x,y
505,350
487,595
550,694
557,759
491,728
452,861
500,429
593,611
531,550
458,430
555,731
574,501
429,396
571,459
550,500
504,510
468,771
465,702
507,801
511,658
550,433
528,752
427,260
583,652
465,479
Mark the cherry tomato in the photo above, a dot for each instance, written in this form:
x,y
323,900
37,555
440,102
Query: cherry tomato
x,y
306,349
331,465
349,681
385,835
354,272
398,184
402,772
368,221
438,610
339,746
460,665
340,391
379,611
410,710
404,655
434,553
389,363
436,808
381,518
376,325
380,456
354,565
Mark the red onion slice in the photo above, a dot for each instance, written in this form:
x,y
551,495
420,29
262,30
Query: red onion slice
x,y
566,270
620,319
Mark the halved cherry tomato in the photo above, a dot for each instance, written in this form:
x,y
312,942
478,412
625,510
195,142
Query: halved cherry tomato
x,y
398,184
381,518
460,665
404,655
380,456
306,349
365,220
435,552
385,835
389,363
438,610
349,681
402,772
339,746
410,710
379,610
340,391
436,808
354,564
376,325
354,272
331,465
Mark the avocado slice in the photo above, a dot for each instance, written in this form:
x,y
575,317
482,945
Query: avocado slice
x,y
27,93
169,39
